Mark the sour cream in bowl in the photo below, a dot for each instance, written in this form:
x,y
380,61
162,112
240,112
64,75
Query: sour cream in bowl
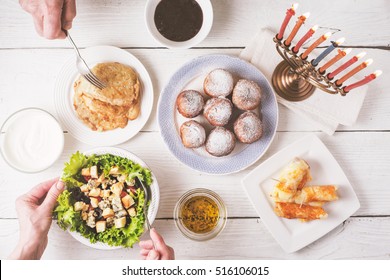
x,y
31,140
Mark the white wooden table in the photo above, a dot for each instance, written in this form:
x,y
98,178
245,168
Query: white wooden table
x,y
28,69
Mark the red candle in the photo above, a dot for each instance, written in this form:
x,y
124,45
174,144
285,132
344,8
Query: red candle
x,y
337,57
290,12
364,81
340,81
305,38
300,21
346,65
320,40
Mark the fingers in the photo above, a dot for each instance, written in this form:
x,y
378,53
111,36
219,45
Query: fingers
x,y
153,255
165,252
158,240
38,24
51,197
161,252
147,245
144,252
68,14
47,15
39,191
52,23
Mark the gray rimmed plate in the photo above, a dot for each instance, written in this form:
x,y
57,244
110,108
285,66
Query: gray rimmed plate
x,y
191,76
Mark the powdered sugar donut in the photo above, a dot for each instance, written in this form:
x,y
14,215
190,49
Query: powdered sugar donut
x,y
248,128
190,103
218,111
220,142
218,82
246,95
192,134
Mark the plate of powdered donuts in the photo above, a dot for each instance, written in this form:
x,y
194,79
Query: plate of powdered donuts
x,y
218,114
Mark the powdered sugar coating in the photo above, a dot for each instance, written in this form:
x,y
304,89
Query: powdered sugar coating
x,y
220,142
248,128
218,111
218,82
190,103
192,134
246,95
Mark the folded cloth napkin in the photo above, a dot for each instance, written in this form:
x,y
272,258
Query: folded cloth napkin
x,y
326,111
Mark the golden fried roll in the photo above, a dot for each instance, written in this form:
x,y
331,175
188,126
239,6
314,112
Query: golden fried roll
x,y
292,178
297,211
316,194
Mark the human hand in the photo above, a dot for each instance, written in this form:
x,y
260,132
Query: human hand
x,y
51,16
34,210
162,252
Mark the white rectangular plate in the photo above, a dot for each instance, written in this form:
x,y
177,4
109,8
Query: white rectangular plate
x,y
293,235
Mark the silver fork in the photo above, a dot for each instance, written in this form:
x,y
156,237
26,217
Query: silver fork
x,y
145,207
83,68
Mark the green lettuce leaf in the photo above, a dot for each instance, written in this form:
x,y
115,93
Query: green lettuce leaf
x,y
64,211
76,163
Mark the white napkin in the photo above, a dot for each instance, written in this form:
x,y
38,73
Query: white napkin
x,y
325,110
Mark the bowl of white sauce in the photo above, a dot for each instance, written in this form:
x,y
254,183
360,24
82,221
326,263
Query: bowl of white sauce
x,y
31,140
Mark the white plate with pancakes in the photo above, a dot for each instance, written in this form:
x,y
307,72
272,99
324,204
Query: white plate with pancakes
x,y
64,97
191,76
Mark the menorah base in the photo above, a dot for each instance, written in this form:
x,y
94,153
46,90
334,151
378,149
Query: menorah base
x,y
289,85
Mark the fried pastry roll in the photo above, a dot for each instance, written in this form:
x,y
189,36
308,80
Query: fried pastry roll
x,y
310,194
292,178
298,211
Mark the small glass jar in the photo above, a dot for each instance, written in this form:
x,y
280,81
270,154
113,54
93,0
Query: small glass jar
x,y
190,195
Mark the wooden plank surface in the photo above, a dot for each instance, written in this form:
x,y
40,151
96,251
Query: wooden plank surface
x,y
28,78
121,22
359,161
30,65
356,238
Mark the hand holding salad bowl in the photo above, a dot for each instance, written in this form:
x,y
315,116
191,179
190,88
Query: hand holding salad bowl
x,y
102,204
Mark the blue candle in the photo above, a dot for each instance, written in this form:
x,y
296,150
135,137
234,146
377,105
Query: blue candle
x,y
327,51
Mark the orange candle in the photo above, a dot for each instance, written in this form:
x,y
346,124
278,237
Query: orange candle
x,y
346,65
320,40
300,21
305,38
364,81
289,14
340,81
337,57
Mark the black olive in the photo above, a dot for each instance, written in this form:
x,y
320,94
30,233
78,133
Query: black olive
x,y
78,195
76,192
85,199
98,213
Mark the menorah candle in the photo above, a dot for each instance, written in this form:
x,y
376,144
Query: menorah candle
x,y
305,38
320,40
345,65
327,51
364,81
337,57
340,81
290,12
300,21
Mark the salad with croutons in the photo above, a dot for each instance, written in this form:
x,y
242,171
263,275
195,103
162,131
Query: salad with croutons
x,y
102,200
